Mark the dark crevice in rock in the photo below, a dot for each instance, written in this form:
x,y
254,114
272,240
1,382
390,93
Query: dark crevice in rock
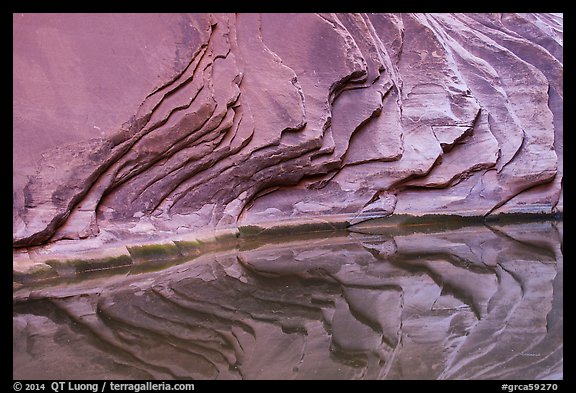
x,y
524,189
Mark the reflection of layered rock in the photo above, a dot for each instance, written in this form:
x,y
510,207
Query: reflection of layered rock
x,y
229,120
472,302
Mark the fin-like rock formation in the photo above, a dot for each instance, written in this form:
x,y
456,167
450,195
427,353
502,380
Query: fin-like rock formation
x,y
127,125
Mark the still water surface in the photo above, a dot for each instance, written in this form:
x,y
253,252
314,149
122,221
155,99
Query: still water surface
x,y
468,302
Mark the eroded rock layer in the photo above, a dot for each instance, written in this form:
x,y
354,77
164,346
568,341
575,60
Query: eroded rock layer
x,y
479,302
127,125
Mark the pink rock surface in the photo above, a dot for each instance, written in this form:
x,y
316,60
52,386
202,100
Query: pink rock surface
x,y
139,124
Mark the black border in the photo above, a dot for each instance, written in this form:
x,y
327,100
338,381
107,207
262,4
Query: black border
x,y
367,6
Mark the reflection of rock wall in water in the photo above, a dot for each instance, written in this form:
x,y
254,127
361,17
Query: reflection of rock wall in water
x,y
127,124
475,302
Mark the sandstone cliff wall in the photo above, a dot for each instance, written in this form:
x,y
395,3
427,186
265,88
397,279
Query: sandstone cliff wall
x,y
127,125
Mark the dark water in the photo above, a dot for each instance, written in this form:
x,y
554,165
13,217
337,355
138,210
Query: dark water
x,y
478,302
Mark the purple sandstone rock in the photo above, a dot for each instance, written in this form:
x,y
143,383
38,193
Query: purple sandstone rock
x,y
127,125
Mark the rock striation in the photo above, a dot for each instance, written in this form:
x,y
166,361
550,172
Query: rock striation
x,y
133,125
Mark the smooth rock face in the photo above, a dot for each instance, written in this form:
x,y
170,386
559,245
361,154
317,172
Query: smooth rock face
x,y
478,302
127,125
